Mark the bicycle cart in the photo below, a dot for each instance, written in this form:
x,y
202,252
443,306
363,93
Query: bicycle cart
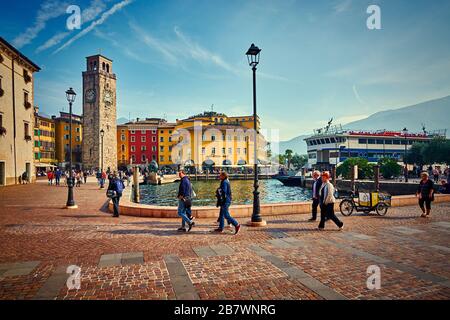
x,y
366,202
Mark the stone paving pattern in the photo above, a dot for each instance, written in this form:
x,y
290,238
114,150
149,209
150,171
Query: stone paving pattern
x,y
142,258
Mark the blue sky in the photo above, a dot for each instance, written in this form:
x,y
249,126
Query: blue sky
x,y
177,58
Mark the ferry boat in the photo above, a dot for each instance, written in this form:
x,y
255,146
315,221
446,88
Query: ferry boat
x,y
331,145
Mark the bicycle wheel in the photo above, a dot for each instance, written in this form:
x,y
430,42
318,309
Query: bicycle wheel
x,y
346,207
381,209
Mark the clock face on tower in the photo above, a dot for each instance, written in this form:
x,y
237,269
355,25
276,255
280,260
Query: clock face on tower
x,y
90,95
108,97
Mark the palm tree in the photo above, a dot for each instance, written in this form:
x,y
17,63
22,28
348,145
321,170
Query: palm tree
x,y
288,153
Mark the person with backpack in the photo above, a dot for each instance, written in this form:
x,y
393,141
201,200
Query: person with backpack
x,y
185,201
115,190
57,176
223,195
327,201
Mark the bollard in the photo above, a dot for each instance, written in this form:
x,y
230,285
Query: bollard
x,y
353,173
376,173
136,185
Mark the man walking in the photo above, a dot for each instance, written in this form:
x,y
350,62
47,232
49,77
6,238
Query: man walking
x,y
57,176
317,184
117,186
327,200
185,201
224,201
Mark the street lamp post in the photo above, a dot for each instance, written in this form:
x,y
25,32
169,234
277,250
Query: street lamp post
x,y
253,60
405,132
102,134
70,95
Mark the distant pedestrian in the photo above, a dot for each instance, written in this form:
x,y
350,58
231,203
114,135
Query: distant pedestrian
x,y
57,176
316,185
50,177
425,193
327,201
116,186
85,176
444,187
24,177
103,179
224,201
436,175
78,179
185,201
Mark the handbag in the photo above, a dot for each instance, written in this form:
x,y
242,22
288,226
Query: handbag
x,y
111,194
187,202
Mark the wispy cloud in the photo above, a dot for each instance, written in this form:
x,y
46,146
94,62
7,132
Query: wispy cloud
x,y
105,15
342,6
87,15
49,9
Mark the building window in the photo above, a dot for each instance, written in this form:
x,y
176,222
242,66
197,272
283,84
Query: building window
x,y
142,131
123,148
203,150
153,157
66,128
26,128
213,138
133,158
78,130
132,131
170,139
161,158
66,137
170,131
170,158
213,150
154,148
133,138
143,139
245,150
77,139
153,139
143,148
122,137
223,151
161,149
133,148
161,139
170,148
230,151
143,158
123,130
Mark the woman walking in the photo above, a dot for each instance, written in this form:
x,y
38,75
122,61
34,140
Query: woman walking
x,y
224,201
327,201
425,193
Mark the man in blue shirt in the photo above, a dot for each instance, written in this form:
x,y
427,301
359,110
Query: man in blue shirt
x,y
224,201
185,201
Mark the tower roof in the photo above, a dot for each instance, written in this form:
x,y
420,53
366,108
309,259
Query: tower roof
x,y
99,55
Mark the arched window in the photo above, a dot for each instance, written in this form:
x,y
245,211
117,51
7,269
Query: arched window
x,y
103,66
107,67
95,65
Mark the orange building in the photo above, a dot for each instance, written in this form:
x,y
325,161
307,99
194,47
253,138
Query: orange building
x,y
62,139
123,154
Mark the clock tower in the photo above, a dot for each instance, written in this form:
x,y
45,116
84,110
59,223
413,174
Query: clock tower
x,y
99,113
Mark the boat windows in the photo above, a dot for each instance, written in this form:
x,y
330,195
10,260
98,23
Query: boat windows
x,y
362,141
388,141
371,141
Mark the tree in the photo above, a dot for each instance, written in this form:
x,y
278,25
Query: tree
x,y
288,154
298,161
436,151
389,168
365,169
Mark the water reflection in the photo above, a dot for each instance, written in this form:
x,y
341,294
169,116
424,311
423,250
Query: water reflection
x,y
271,191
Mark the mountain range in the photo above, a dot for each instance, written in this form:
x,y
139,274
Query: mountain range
x,y
433,114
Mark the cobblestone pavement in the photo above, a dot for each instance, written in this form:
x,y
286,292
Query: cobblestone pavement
x,y
142,258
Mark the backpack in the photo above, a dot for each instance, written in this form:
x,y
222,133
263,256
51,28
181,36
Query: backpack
x,y
118,186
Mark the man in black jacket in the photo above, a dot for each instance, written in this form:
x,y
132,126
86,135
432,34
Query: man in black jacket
x,y
317,183
185,201
116,185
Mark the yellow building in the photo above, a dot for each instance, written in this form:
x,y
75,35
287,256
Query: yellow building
x,y
16,114
44,141
214,139
165,144
62,139
123,155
